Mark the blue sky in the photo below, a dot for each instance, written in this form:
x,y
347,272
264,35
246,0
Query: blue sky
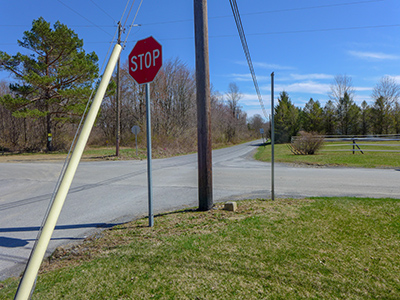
x,y
304,42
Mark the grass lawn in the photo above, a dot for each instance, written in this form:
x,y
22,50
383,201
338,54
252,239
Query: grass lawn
x,y
319,248
328,156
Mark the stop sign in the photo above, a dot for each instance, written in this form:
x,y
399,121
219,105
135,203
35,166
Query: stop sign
x,y
145,60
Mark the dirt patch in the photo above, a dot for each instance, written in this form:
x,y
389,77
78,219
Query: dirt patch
x,y
19,158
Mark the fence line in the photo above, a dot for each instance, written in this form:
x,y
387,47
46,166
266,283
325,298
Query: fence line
x,y
355,141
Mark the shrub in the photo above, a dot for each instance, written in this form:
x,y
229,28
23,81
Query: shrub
x,y
306,143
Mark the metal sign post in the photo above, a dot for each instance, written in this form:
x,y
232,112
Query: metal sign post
x,y
272,139
149,173
262,134
135,131
145,60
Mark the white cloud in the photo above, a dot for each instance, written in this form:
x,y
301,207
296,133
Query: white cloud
x,y
374,55
310,87
247,77
314,76
270,67
252,99
362,89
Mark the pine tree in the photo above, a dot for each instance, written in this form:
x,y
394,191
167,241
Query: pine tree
x,y
365,118
348,114
287,121
312,120
53,83
329,119
382,116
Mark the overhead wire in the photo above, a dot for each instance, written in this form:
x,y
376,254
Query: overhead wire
x,y
129,13
272,11
82,16
239,25
133,21
126,6
104,11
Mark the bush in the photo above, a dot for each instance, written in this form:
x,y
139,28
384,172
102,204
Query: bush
x,y
306,143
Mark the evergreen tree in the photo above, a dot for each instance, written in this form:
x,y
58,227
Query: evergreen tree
x,y
347,115
381,116
329,118
54,82
312,117
365,118
287,121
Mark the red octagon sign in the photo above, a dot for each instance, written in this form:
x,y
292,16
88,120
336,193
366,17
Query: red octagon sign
x,y
145,60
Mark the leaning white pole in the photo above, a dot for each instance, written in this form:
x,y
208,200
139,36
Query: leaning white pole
x,y
31,271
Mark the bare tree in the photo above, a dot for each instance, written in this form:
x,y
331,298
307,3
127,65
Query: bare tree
x,y
387,88
232,97
341,84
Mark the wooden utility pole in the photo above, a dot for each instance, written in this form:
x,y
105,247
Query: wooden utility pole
x,y
203,106
118,100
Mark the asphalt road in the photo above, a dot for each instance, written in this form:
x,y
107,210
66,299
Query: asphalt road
x,y
111,192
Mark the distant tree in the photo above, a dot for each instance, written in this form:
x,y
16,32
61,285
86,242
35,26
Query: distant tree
x,y
388,89
381,116
329,119
341,85
233,95
386,94
287,121
365,115
396,115
174,98
312,120
4,116
347,115
257,122
53,83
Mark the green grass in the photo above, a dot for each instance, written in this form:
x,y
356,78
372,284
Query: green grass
x,y
334,248
328,157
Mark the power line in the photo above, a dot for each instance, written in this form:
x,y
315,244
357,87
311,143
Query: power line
x,y
127,17
105,12
326,29
254,34
216,17
132,24
242,36
305,8
272,11
82,16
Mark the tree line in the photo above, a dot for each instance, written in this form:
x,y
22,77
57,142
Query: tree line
x,y
173,110
341,115
41,108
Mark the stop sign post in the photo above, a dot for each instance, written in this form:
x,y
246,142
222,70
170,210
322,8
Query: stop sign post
x,y
145,60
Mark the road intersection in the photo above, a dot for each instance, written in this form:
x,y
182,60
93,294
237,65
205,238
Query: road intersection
x,y
105,193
